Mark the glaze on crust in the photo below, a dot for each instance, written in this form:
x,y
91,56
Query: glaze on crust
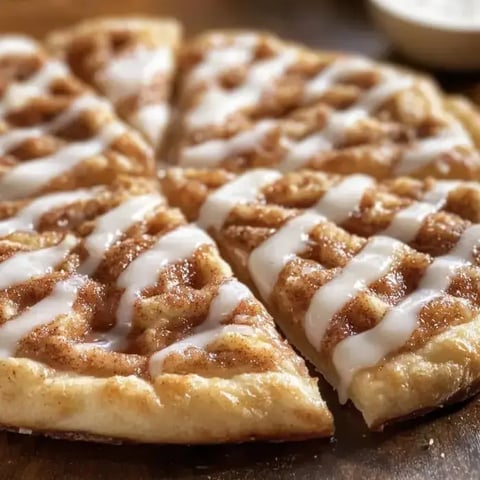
x,y
55,134
113,307
387,324
285,106
129,60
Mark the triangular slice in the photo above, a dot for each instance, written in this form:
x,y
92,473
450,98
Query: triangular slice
x,y
55,134
129,60
121,321
248,99
394,329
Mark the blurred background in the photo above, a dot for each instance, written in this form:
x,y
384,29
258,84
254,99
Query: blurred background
x,y
328,24
340,24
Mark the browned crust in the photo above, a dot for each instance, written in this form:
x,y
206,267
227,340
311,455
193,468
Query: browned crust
x,y
175,409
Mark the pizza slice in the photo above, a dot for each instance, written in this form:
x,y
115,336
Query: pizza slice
x,y
393,327
120,321
55,134
248,99
129,60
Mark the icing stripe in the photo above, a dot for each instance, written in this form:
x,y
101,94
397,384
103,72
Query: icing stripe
x,y
218,104
27,219
220,59
406,223
17,95
59,302
143,272
268,259
369,348
152,120
438,195
213,152
28,178
229,296
427,150
245,188
341,200
372,263
112,225
16,136
125,75
338,122
23,266
334,73
17,45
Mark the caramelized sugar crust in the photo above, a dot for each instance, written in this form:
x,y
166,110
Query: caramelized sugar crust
x,y
66,114
405,121
165,313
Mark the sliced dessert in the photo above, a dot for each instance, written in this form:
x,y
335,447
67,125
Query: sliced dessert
x,y
129,60
251,100
55,134
120,321
394,329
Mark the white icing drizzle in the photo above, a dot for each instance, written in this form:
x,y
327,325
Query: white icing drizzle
x,y
125,75
338,123
425,151
17,45
406,223
23,266
16,136
143,272
59,302
438,195
111,226
28,178
220,59
218,104
369,265
27,219
372,346
299,153
152,121
229,296
333,73
243,189
344,198
19,94
212,152
268,259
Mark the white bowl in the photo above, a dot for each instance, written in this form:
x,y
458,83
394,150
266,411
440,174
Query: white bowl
x,y
439,44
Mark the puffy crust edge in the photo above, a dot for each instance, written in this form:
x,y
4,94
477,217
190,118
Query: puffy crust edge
x,y
173,409
445,370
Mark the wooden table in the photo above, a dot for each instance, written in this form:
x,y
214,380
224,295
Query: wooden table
x,y
441,446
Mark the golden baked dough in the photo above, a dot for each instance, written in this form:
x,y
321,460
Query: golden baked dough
x,y
120,320
248,99
393,327
56,134
129,60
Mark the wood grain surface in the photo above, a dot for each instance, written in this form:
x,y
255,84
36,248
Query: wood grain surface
x,y
444,445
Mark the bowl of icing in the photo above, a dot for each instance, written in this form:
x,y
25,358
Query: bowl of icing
x,y
441,34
